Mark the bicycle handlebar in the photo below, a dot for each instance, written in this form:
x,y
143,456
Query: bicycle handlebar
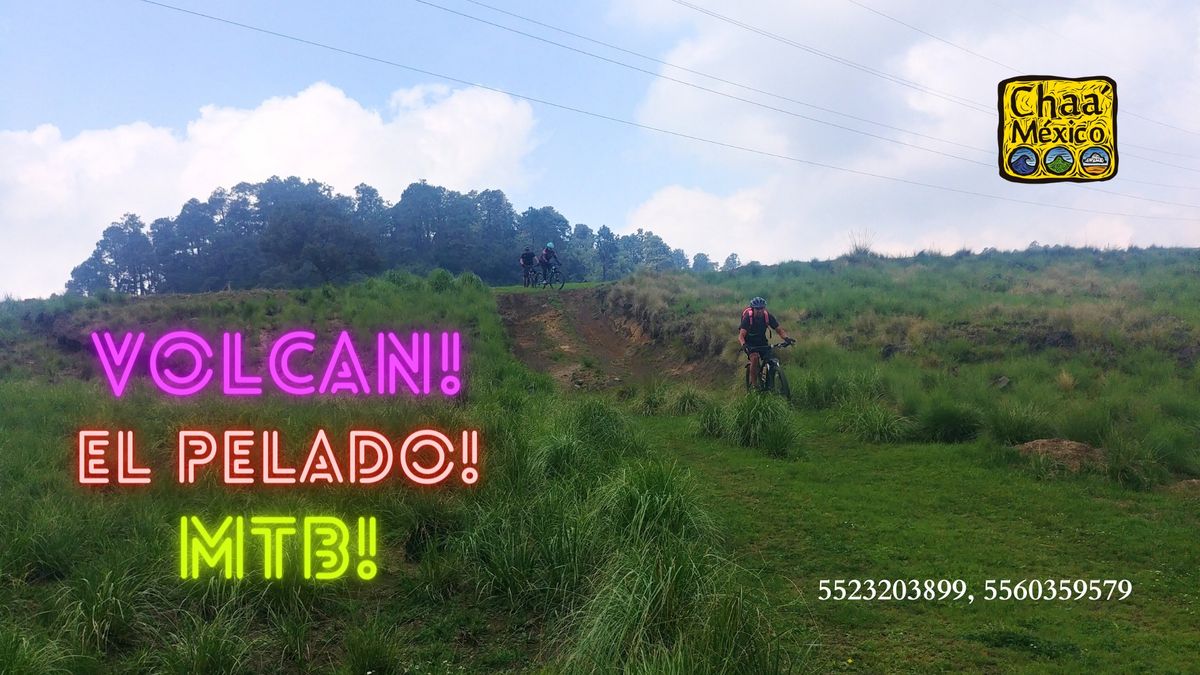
x,y
780,345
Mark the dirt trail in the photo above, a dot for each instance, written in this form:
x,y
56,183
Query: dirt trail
x,y
570,335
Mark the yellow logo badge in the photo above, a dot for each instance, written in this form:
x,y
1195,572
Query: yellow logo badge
x,y
1058,129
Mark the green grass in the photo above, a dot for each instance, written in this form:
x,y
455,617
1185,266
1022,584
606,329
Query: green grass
x,y
658,532
509,575
846,510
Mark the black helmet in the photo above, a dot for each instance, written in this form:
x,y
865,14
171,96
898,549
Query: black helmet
x,y
758,303
527,249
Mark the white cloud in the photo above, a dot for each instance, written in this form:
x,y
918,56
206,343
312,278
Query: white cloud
x,y
1151,50
57,194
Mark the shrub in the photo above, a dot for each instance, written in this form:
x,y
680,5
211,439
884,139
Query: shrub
x,y
470,281
944,421
440,280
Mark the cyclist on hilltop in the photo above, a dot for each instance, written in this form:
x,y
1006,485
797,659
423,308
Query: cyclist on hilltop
x,y
547,258
753,334
527,259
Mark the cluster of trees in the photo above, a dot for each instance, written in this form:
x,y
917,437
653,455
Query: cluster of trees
x,y
291,233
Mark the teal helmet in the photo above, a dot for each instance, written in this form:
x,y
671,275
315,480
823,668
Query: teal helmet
x,y
550,244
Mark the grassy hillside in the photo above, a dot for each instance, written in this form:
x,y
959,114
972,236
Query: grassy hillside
x,y
1099,347
580,549
658,525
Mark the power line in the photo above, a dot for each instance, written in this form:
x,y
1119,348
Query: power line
x,y
1158,150
693,85
959,47
743,86
722,80
1162,185
1159,161
660,130
1013,69
966,103
973,105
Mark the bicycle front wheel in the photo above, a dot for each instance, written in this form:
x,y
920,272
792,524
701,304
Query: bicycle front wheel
x,y
557,280
781,383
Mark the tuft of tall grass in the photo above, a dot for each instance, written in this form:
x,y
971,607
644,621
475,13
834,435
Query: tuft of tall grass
x,y
1134,464
20,653
753,414
763,420
1016,423
101,614
712,420
873,422
1088,423
603,428
371,647
652,401
435,517
1065,381
688,401
946,421
669,608
222,645
533,552
650,501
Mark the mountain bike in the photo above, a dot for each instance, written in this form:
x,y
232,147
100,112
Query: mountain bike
x,y
529,276
554,279
770,372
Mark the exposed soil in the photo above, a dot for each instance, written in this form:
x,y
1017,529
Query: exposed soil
x,y
1190,487
570,335
1071,455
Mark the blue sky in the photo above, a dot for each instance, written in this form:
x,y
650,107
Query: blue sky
x,y
123,106
89,65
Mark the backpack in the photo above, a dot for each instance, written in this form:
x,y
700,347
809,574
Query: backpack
x,y
749,312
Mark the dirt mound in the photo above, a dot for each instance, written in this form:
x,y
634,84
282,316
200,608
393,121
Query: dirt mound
x,y
570,335
1190,488
1072,455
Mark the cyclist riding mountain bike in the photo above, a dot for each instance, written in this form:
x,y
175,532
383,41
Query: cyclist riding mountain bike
x,y
547,258
753,334
528,257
